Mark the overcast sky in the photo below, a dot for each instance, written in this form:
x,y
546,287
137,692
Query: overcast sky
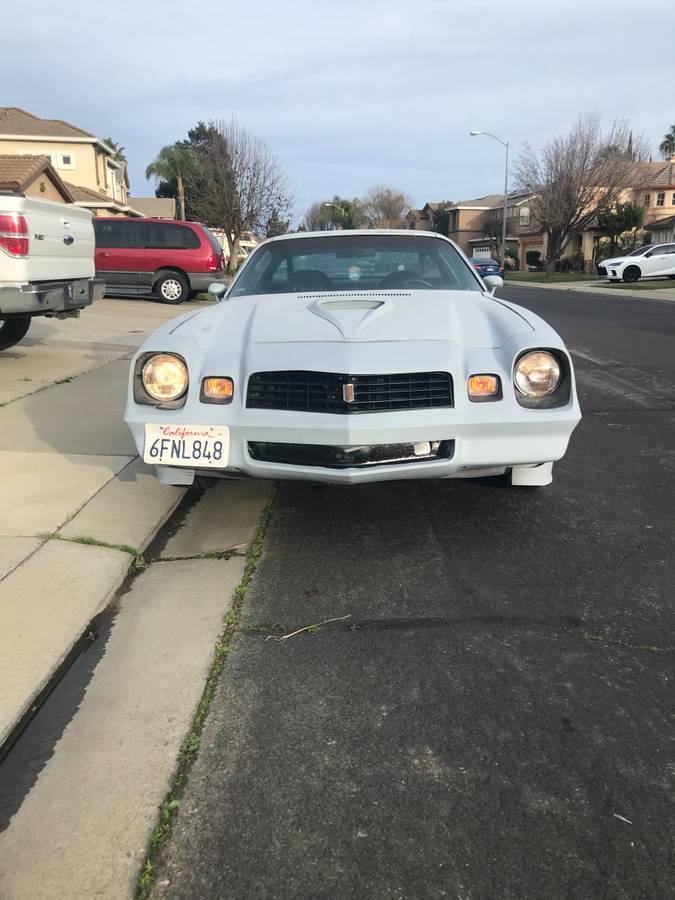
x,y
347,93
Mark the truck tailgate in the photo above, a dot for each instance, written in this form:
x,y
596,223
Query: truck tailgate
x,y
60,246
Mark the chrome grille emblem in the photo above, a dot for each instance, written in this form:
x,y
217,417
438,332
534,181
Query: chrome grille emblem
x,y
348,393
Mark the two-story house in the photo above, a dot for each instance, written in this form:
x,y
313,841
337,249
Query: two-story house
x,y
476,225
87,165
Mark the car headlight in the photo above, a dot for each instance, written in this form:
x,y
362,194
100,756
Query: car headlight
x,y
537,374
165,376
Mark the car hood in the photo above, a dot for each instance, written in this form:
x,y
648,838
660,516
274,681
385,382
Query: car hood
x,y
467,318
618,261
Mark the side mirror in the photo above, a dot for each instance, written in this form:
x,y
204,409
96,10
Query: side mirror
x,y
217,290
492,282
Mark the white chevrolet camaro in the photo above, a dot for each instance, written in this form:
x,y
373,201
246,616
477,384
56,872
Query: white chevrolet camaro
x,y
349,357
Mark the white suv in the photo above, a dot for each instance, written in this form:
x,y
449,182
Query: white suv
x,y
652,261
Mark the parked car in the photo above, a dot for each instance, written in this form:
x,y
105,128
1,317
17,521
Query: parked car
x,y
487,266
408,368
171,260
46,263
651,261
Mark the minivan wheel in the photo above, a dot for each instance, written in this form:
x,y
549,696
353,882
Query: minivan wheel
x,y
13,330
631,275
172,288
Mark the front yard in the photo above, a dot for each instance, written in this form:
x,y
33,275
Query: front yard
x,y
550,278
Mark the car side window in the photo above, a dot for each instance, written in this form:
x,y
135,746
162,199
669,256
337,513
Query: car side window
x,y
167,236
121,235
668,249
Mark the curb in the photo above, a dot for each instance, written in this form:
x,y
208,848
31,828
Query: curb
x,y
76,620
586,288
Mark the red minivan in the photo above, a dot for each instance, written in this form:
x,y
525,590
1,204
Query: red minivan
x,y
171,260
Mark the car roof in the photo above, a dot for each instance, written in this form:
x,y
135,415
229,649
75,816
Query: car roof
x,y
404,232
148,219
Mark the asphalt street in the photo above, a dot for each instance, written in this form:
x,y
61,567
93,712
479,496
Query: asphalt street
x,y
495,717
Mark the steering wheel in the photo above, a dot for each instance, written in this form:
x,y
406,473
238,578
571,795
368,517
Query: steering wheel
x,y
416,282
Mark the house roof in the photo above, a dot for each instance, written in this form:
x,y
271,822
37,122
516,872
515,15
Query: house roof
x,y
653,174
14,120
86,195
89,198
155,207
18,172
491,201
656,224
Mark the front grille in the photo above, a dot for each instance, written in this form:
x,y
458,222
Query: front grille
x,y
602,271
325,391
359,457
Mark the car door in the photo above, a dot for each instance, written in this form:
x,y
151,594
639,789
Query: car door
x,y
666,260
120,253
653,261
172,245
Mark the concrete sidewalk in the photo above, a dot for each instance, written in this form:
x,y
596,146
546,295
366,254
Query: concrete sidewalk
x,y
596,287
79,794
77,507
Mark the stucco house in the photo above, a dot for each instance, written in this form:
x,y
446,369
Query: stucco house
x,y
86,165
476,225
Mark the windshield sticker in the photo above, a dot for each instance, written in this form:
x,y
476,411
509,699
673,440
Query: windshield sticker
x,y
354,273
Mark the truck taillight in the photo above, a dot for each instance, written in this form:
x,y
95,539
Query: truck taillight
x,y
214,262
14,234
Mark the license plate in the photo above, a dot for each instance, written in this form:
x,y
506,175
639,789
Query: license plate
x,y
197,446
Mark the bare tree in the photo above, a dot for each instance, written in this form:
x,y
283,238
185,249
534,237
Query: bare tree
x,y
385,207
317,218
242,185
576,176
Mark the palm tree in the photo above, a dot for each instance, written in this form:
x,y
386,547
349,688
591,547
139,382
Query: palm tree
x,y
667,145
173,162
118,152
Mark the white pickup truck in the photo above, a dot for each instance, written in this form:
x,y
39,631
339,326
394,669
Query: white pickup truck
x,y
46,263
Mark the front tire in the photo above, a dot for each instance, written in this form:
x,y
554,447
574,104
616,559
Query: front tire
x,y
631,275
12,331
172,288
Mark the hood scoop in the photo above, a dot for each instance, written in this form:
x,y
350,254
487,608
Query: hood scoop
x,y
332,305
352,313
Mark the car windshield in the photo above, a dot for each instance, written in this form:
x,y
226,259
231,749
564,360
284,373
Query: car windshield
x,y
641,250
354,262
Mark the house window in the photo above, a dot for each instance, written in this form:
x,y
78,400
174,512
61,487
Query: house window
x,y
66,161
648,199
672,200
524,217
661,199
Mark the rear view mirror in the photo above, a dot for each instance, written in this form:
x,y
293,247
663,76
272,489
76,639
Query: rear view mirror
x,y
217,290
492,282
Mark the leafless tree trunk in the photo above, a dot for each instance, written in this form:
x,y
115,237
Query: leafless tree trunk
x,y
575,177
242,183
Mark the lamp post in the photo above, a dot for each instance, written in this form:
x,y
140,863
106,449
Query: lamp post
x,y
330,220
506,185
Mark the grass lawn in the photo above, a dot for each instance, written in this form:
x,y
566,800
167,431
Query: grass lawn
x,y
550,279
651,284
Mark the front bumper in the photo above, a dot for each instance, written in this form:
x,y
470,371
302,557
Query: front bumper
x,y
50,298
486,440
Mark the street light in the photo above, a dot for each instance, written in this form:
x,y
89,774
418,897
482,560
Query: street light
x,y
330,220
506,185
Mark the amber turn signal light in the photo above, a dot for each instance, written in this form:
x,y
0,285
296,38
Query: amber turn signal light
x,y
217,390
484,387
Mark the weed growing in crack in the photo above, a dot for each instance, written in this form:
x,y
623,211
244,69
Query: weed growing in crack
x,y
190,746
